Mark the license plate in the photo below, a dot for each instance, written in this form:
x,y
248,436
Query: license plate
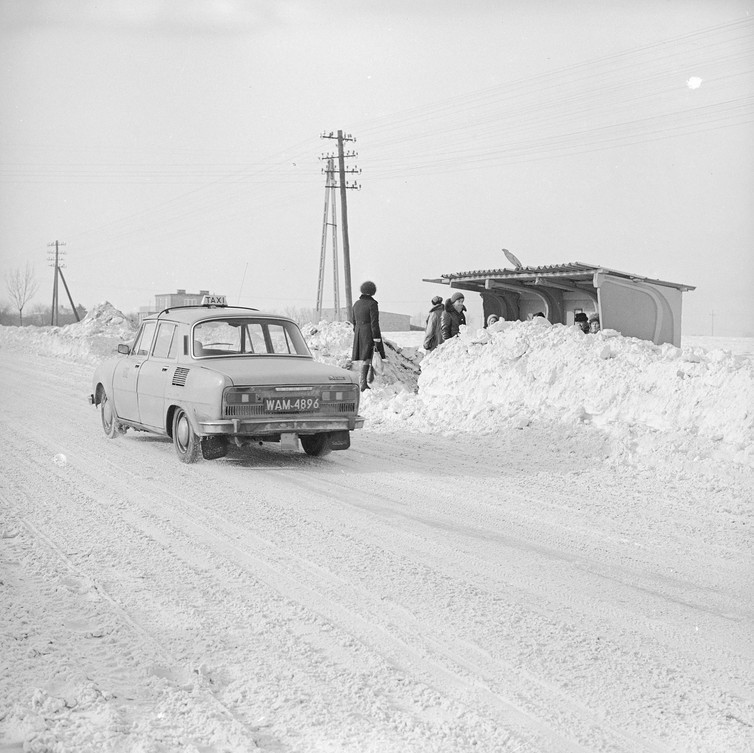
x,y
291,404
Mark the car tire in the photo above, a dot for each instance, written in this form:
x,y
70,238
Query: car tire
x,y
110,424
316,445
186,443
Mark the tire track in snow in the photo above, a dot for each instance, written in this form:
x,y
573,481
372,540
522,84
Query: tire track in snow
x,y
463,674
406,640
129,636
137,452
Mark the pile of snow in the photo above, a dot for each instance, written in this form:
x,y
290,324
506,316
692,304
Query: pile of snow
x,y
646,397
104,320
95,337
331,342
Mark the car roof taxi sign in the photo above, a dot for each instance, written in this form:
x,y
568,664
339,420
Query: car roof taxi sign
x,y
214,300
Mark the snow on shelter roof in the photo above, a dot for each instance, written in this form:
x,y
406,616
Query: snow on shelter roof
x,y
574,271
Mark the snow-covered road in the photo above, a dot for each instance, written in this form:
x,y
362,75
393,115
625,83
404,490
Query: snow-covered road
x,y
519,591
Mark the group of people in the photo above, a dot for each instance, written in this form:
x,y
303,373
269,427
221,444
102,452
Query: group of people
x,y
588,324
444,320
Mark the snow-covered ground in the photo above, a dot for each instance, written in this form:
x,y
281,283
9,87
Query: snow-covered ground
x,y
541,541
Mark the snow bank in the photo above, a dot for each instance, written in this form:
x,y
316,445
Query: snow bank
x,y
331,342
641,394
95,337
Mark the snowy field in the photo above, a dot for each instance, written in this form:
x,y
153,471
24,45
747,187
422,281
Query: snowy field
x,y
540,542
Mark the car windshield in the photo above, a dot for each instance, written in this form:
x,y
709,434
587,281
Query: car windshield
x,y
242,337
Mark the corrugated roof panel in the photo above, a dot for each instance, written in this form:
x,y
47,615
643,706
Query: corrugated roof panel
x,y
506,272
569,269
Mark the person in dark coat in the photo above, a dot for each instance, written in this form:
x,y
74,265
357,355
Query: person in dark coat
x,y
367,337
433,332
453,316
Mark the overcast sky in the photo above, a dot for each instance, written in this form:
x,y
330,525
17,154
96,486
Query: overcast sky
x,y
176,144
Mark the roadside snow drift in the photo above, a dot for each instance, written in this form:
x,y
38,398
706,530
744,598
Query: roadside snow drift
x,y
645,397
91,340
515,373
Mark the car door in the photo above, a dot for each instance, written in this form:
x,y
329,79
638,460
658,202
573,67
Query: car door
x,y
126,374
154,374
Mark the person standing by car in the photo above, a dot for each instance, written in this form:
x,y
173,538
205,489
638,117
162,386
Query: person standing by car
x,y
367,337
433,332
453,316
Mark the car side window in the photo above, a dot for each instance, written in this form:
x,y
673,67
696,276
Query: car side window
x,y
137,342
255,336
164,341
279,339
144,339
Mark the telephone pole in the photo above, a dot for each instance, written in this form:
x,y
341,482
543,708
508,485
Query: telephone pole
x,y
56,262
344,186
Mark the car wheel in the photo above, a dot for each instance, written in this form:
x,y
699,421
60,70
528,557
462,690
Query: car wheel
x,y
187,445
316,445
110,423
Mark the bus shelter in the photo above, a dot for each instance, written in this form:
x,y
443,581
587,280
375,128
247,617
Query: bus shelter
x,y
636,306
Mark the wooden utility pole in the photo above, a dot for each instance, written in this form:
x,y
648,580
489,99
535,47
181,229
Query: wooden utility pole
x,y
344,216
56,265
344,186
59,272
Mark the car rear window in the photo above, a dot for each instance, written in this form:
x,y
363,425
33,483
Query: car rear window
x,y
243,337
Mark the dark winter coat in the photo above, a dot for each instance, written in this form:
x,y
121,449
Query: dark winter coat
x,y
451,320
365,318
433,332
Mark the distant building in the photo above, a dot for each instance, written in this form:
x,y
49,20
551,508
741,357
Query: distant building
x,y
169,300
389,322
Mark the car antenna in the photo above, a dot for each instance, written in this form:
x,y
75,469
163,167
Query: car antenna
x,y
243,277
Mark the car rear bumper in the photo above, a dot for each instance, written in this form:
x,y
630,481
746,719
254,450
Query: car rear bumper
x,y
247,427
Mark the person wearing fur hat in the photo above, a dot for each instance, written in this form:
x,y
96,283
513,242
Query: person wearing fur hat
x,y
367,337
581,321
433,332
453,316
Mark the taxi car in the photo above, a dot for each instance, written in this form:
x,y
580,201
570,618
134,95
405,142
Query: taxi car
x,y
211,375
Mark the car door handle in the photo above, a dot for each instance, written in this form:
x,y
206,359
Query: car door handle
x,y
164,368
136,365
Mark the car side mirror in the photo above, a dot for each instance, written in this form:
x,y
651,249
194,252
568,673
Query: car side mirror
x,y
124,349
